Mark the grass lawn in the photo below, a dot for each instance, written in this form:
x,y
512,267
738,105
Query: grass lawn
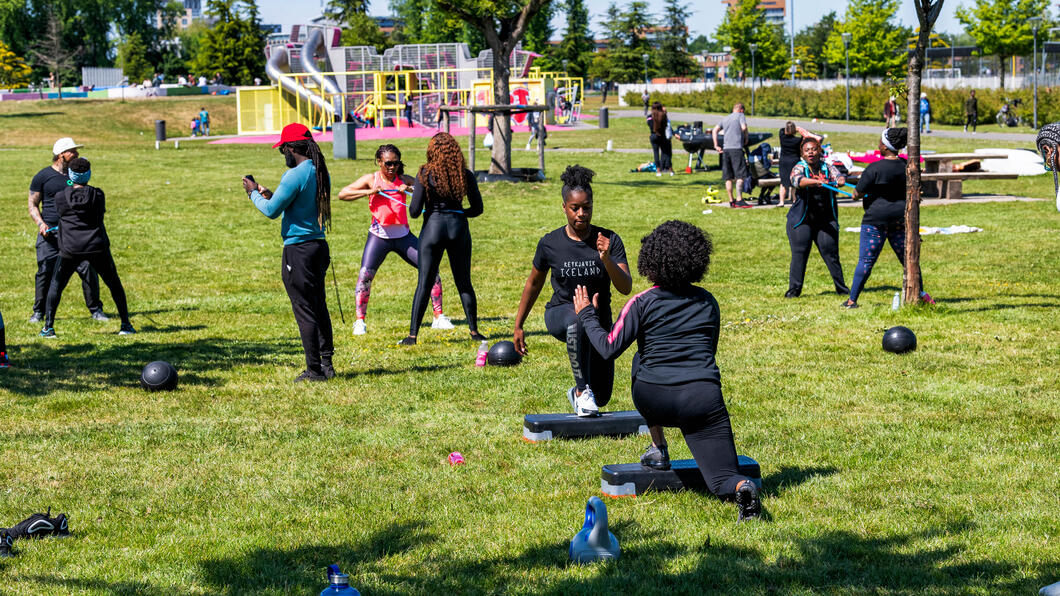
x,y
929,473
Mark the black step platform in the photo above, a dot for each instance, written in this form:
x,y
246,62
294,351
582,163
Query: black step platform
x,y
633,480
545,427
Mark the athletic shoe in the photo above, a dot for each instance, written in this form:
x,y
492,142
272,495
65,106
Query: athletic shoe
x,y
847,304
671,172
585,404
4,361
658,174
741,204
7,544
359,328
308,375
327,368
408,341
100,316
476,336
442,322
48,332
656,458
748,504
126,329
36,317
927,299
39,525
792,293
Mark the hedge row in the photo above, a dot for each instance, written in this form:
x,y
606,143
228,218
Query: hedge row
x,y
866,102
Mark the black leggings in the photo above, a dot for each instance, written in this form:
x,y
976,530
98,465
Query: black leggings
x,y
697,408
662,150
103,263
825,234
588,366
445,232
304,269
375,251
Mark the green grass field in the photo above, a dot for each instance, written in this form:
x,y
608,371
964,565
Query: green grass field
x,y
929,473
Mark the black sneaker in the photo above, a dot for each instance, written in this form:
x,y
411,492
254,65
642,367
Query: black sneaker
x,y
7,544
792,293
656,458
476,336
39,525
748,504
741,204
408,341
327,368
61,531
847,304
308,375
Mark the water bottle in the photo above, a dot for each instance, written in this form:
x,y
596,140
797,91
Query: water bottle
x,y
480,356
896,302
338,584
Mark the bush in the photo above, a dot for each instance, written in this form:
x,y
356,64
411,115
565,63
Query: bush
x,y
866,102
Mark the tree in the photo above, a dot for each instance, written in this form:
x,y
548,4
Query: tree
x,y
876,40
14,72
1000,27
132,60
745,24
627,41
503,23
362,30
422,22
674,58
926,12
814,38
703,44
53,53
577,45
235,45
341,11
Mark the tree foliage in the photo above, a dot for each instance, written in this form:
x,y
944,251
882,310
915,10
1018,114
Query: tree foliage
x,y
702,44
362,30
813,39
577,45
235,45
423,22
673,56
53,53
627,42
14,72
341,11
876,39
1000,27
132,58
745,24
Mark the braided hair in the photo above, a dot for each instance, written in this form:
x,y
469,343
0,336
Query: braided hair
x,y
1048,142
897,137
388,148
577,178
310,149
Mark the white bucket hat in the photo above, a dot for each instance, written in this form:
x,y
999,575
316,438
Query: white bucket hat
x,y
64,144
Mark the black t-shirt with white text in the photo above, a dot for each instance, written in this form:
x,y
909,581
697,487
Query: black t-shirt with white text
x,y
882,188
48,183
576,262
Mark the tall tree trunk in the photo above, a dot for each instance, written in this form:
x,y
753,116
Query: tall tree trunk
x,y
501,154
1001,69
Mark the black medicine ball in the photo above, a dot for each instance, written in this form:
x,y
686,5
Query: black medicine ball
x,y
503,354
899,340
159,376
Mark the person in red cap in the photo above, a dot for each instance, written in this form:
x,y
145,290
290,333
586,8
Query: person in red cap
x,y
304,199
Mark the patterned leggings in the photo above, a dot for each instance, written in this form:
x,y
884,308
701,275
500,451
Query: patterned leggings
x,y
375,251
872,239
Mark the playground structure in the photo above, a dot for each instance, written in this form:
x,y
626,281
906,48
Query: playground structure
x,y
317,82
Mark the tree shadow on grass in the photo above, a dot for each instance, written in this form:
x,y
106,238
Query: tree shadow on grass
x,y
31,114
43,367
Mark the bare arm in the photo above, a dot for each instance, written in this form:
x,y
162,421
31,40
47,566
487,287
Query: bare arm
x,y
807,134
34,212
359,188
714,136
531,290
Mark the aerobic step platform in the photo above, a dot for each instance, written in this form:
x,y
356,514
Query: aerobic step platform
x,y
545,427
633,480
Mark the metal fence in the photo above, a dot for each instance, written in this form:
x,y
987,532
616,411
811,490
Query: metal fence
x,y
101,77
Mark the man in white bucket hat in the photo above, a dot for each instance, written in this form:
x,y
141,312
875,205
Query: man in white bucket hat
x,y
42,190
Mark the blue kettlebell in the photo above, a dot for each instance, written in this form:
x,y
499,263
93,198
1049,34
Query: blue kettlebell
x,y
594,542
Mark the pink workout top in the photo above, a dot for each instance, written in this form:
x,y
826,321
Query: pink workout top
x,y
389,217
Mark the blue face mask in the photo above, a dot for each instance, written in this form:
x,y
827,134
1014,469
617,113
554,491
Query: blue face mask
x,y
80,177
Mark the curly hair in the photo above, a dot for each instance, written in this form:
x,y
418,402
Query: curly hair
x,y
576,178
388,148
897,137
445,163
80,165
1048,143
675,254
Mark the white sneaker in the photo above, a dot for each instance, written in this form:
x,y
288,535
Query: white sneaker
x,y
584,404
658,174
671,172
359,328
442,322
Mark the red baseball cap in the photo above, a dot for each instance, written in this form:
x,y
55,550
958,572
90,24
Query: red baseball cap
x,y
293,132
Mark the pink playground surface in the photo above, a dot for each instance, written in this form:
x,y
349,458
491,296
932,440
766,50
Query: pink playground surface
x,y
377,134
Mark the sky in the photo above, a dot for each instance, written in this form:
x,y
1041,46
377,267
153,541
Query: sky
x,y
706,14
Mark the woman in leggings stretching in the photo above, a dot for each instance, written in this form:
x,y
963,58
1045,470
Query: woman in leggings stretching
x,y
389,231
881,189
441,185
676,381
83,237
813,218
579,253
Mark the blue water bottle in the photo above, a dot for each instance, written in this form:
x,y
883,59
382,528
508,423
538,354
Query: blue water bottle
x,y
338,584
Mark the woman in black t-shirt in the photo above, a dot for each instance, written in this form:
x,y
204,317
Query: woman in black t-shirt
x,y
791,137
579,253
882,191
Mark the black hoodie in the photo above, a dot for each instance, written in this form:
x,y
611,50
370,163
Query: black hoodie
x,y
81,230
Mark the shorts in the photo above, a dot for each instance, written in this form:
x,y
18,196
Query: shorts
x,y
733,164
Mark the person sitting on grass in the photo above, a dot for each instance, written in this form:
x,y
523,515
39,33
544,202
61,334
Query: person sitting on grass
x,y
676,381
882,191
83,237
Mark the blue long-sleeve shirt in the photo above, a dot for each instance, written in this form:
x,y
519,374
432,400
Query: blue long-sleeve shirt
x,y
296,199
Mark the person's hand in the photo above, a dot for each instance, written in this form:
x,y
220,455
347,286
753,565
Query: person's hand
x,y
43,229
581,299
519,340
603,246
250,186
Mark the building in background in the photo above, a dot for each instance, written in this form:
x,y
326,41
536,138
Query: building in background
x,y
775,9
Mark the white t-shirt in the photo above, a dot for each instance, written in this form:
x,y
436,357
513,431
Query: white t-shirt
x,y
202,81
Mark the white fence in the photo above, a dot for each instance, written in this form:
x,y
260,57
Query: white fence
x,y
101,77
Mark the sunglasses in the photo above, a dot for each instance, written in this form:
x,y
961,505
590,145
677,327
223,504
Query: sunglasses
x,y
392,164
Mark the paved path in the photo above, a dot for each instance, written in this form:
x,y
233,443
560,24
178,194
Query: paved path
x,y
709,120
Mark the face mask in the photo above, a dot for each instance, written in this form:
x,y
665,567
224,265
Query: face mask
x,y
80,177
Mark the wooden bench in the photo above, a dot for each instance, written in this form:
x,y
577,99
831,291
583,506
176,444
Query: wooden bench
x,y
949,187
950,184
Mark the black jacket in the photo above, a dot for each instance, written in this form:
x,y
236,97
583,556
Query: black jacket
x,y
81,229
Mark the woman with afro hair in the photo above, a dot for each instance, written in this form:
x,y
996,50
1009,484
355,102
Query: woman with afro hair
x,y
882,191
676,381
577,254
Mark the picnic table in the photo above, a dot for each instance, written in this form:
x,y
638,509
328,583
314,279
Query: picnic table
x,y
939,177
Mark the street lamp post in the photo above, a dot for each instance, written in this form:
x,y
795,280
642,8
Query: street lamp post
x,y
754,48
791,4
645,58
846,53
1035,23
